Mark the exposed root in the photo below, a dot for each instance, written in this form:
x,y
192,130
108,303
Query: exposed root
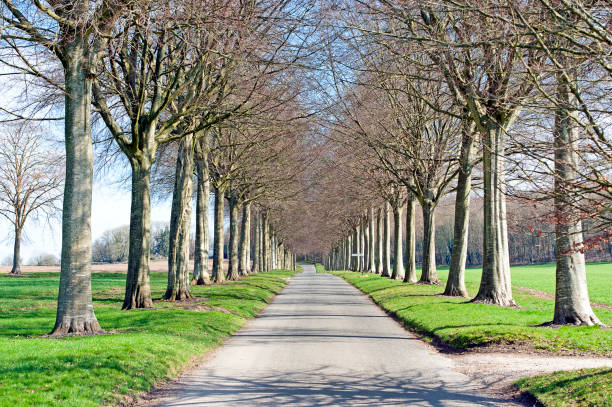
x,y
76,327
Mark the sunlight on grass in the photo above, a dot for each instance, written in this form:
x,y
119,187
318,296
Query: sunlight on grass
x,y
144,345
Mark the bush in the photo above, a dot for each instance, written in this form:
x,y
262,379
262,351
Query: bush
x,y
45,259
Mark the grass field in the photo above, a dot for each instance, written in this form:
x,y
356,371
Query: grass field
x,y
584,388
462,325
144,345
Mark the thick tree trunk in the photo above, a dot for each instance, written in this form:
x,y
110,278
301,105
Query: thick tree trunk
x,y
366,245
398,252
572,304
356,249
372,245
363,250
455,285
218,275
429,274
266,244
257,246
411,274
137,282
16,269
386,271
75,311
200,266
245,232
379,241
180,219
232,272
495,286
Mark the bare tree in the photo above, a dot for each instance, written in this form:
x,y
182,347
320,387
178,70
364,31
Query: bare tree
x,y
31,180
75,32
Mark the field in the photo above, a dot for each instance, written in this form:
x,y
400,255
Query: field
x,y
142,347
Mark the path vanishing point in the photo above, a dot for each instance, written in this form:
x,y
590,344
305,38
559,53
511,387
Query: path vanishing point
x,y
321,342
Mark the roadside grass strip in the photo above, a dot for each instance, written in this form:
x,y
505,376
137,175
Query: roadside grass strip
x,y
141,348
584,388
461,325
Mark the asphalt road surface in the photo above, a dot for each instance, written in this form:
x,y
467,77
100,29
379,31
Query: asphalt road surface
x,y
321,342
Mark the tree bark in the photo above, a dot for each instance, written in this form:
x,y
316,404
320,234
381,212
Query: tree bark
x,y
572,304
386,271
200,260
245,232
455,285
411,274
372,245
495,286
232,272
257,246
180,219
16,269
137,282
75,311
398,252
429,274
266,243
218,275
379,241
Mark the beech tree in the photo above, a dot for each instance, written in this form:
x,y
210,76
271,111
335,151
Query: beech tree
x,y
74,32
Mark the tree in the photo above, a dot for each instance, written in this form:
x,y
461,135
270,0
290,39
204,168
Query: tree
x,y
75,32
30,180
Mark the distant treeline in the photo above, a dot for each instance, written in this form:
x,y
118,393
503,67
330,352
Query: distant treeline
x,y
531,237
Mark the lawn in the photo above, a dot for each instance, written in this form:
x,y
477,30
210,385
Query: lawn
x,y
584,388
460,325
144,346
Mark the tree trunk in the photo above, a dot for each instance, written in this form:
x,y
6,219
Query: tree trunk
x,y
218,275
429,274
75,311
355,249
495,286
180,220
245,232
572,304
232,272
266,243
379,241
137,282
386,272
398,252
17,251
200,266
372,245
411,274
257,248
455,285
366,245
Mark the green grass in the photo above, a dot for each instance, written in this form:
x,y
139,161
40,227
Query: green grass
x,y
319,268
462,325
145,345
584,388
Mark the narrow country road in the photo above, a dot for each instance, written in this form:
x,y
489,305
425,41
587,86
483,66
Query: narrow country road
x,y
323,343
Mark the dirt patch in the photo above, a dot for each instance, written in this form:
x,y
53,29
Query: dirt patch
x,y
497,371
547,296
47,304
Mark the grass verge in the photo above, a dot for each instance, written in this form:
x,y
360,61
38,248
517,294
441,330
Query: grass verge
x,y
144,346
454,323
584,388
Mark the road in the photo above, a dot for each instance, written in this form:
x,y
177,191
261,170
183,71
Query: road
x,y
321,342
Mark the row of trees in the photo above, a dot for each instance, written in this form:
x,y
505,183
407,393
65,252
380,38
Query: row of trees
x,y
211,85
437,97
